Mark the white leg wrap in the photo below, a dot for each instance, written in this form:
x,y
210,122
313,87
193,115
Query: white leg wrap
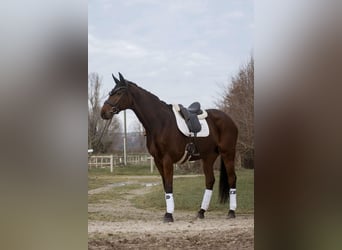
x,y
232,199
170,204
206,199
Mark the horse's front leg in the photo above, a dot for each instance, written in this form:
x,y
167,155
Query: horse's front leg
x,y
208,170
168,188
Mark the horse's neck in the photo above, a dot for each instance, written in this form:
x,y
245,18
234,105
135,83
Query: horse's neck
x,y
148,108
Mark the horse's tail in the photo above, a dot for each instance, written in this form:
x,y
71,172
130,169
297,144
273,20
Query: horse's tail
x,y
224,185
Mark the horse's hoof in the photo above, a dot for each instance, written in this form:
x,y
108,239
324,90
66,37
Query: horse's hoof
x,y
200,214
231,214
168,218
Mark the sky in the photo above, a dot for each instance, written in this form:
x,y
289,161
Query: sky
x,y
180,50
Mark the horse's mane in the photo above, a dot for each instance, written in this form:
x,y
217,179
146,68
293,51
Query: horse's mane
x,y
152,95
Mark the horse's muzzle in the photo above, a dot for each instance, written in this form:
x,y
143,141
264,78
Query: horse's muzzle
x,y
114,108
106,115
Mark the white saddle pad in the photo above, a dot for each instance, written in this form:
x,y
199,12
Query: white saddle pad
x,y
184,128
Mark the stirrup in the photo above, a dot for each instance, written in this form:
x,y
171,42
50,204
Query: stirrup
x,y
192,149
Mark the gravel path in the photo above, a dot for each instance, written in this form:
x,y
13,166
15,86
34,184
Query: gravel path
x,y
143,229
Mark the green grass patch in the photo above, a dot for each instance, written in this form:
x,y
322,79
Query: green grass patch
x,y
188,194
99,177
109,216
98,181
188,191
102,177
112,194
132,170
135,170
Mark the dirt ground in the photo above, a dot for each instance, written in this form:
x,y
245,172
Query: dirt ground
x,y
132,228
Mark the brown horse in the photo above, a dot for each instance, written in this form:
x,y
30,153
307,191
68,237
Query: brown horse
x,y
167,144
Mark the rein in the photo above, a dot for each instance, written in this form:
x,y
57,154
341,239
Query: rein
x,y
115,110
103,131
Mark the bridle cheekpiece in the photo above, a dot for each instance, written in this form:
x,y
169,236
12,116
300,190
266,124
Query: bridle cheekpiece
x,y
115,108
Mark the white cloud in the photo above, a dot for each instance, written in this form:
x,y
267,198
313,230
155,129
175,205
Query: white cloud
x,y
235,15
195,59
189,6
119,48
139,2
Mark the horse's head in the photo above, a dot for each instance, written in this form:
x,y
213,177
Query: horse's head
x,y
119,99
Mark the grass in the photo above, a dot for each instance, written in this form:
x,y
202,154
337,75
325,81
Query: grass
x,y
135,170
130,170
113,194
188,191
102,176
188,194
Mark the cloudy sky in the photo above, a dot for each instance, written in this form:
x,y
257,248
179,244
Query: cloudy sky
x,y
180,50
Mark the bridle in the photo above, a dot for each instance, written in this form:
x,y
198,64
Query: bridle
x,y
115,109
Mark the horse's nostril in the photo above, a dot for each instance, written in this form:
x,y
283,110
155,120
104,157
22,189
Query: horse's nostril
x,y
106,115
103,115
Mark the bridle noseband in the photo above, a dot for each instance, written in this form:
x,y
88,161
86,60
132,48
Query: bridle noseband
x,y
115,108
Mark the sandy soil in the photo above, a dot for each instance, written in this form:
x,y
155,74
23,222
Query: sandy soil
x,y
133,228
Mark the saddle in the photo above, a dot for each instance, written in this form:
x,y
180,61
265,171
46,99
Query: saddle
x,y
193,117
190,116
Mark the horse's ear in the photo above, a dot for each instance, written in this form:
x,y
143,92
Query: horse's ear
x,y
122,79
115,79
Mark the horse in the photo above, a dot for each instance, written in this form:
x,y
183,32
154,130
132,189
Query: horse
x,y
167,144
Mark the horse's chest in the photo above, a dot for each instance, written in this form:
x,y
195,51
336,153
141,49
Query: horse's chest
x,y
159,145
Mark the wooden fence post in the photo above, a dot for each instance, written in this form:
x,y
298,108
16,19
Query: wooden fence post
x,y
111,163
151,164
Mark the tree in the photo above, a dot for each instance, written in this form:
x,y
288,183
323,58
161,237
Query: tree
x,y
238,101
137,139
95,123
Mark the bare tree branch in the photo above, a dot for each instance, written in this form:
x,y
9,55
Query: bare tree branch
x,y
238,101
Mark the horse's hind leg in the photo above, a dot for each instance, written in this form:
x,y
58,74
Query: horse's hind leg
x,y
228,161
209,183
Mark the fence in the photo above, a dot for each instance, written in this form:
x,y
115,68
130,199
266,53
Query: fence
x,y
103,161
